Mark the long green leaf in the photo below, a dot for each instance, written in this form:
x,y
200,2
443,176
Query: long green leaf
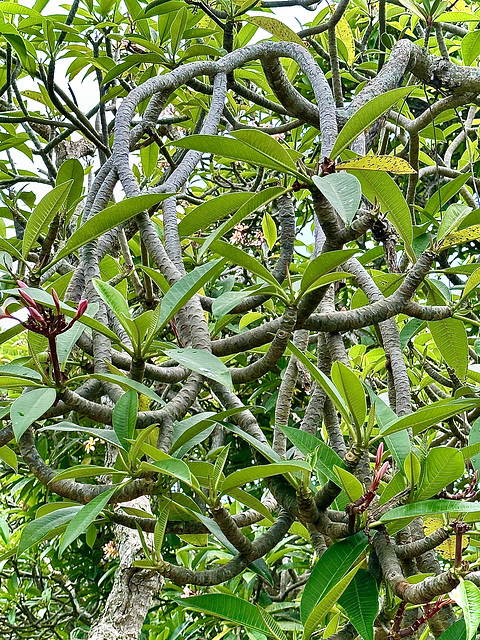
x,y
451,219
171,467
469,599
203,362
84,518
443,466
326,384
37,530
326,603
364,117
360,601
29,407
249,145
428,416
323,264
250,474
108,219
112,298
177,296
245,260
450,337
125,383
329,570
124,416
85,471
211,211
43,214
257,201
227,607
69,427
380,186
445,193
307,443
352,391
430,508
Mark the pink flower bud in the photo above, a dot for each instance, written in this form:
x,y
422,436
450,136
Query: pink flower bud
x,y
37,316
82,307
383,470
27,299
56,299
20,284
378,458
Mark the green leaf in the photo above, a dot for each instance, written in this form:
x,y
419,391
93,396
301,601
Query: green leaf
x,y
245,260
470,47
323,264
227,607
450,337
272,625
275,27
248,145
71,170
220,460
124,416
259,472
445,193
360,602
160,528
113,299
352,391
364,117
326,384
171,467
352,486
472,283
269,229
85,471
203,362
393,164
456,631
125,383
84,518
430,508
469,599
43,215
105,434
451,219
210,211
326,604
307,443
185,288
29,407
443,466
343,191
37,530
9,457
329,570
381,187
427,416
108,219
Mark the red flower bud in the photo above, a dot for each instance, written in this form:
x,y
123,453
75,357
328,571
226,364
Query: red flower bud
x,y
378,458
20,284
82,307
27,299
56,299
37,316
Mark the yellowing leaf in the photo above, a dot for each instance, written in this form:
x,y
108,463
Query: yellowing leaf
x,y
459,237
447,548
344,33
276,28
378,163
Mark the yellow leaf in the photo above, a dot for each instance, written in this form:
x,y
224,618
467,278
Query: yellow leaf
x,y
378,163
276,28
459,237
447,548
344,33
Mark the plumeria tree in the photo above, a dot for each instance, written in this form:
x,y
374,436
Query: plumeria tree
x,y
239,274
